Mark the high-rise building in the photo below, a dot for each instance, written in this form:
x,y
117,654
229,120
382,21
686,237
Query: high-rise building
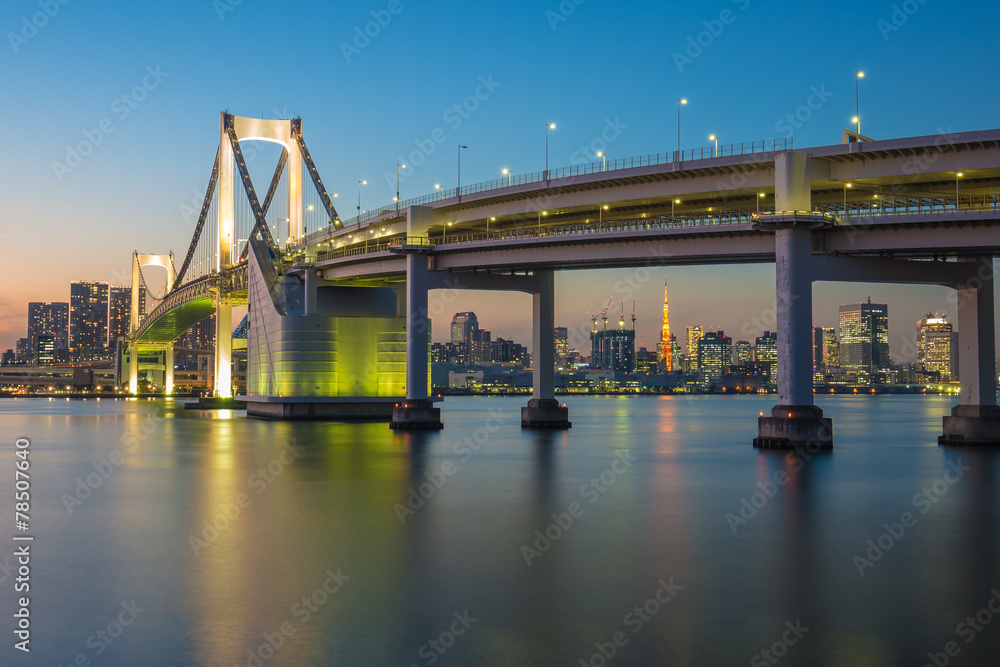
x,y
613,349
831,349
119,314
864,339
45,350
715,353
817,349
22,350
561,335
49,318
88,320
480,347
666,346
766,353
462,327
646,361
694,334
937,347
744,352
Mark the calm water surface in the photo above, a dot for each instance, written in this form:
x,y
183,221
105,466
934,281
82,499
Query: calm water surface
x,y
239,542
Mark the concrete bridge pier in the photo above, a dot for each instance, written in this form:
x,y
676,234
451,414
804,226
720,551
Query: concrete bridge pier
x,y
795,421
168,369
543,410
417,412
133,370
223,349
976,419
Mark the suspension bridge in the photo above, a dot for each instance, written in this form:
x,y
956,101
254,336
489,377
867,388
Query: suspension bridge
x,y
337,309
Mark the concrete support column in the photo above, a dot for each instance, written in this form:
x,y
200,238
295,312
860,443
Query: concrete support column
x,y
417,411
133,370
168,369
793,252
976,419
976,346
543,411
310,289
223,350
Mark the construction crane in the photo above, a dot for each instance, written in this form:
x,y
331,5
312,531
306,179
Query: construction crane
x,y
621,320
604,313
633,314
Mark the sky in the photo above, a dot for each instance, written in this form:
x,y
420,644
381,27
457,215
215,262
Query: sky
x,y
140,87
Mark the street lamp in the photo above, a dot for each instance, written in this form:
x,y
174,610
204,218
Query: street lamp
x,y
675,201
858,75
846,186
493,218
506,172
399,165
957,176
600,213
540,214
604,160
680,101
759,197
458,192
360,183
548,126
437,186
714,138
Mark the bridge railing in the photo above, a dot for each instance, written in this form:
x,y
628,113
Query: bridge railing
x,y
890,205
599,166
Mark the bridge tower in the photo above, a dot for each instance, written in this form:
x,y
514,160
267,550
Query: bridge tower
x,y
140,260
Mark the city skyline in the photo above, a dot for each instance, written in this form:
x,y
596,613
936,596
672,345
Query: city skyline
x,y
172,130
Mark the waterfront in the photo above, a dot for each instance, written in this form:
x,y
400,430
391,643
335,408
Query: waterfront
x,y
398,541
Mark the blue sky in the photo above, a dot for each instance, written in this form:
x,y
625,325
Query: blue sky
x,y
366,101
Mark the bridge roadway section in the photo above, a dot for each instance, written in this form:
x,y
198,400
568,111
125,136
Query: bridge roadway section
x,y
872,211
915,210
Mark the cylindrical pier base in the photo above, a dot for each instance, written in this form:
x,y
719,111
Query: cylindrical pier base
x,y
545,413
416,415
794,427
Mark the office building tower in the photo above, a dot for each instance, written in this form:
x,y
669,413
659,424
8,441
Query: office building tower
x,y
88,320
462,327
45,350
744,352
49,318
119,314
831,350
694,334
561,337
715,353
937,347
766,354
613,349
864,340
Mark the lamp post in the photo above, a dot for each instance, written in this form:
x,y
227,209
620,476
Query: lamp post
x,y
858,75
957,176
399,165
600,213
846,186
437,186
360,183
506,172
715,152
672,202
680,101
759,197
604,160
488,225
458,192
540,214
548,126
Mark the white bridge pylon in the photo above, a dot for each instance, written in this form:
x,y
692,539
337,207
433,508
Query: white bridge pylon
x,y
140,260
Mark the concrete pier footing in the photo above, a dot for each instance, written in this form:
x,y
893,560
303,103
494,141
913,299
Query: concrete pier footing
x,y
416,415
545,413
972,425
311,408
794,427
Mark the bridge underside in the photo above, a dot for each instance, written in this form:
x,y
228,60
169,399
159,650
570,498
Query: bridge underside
x,y
175,322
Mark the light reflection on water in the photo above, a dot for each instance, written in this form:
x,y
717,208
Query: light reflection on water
x,y
226,530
